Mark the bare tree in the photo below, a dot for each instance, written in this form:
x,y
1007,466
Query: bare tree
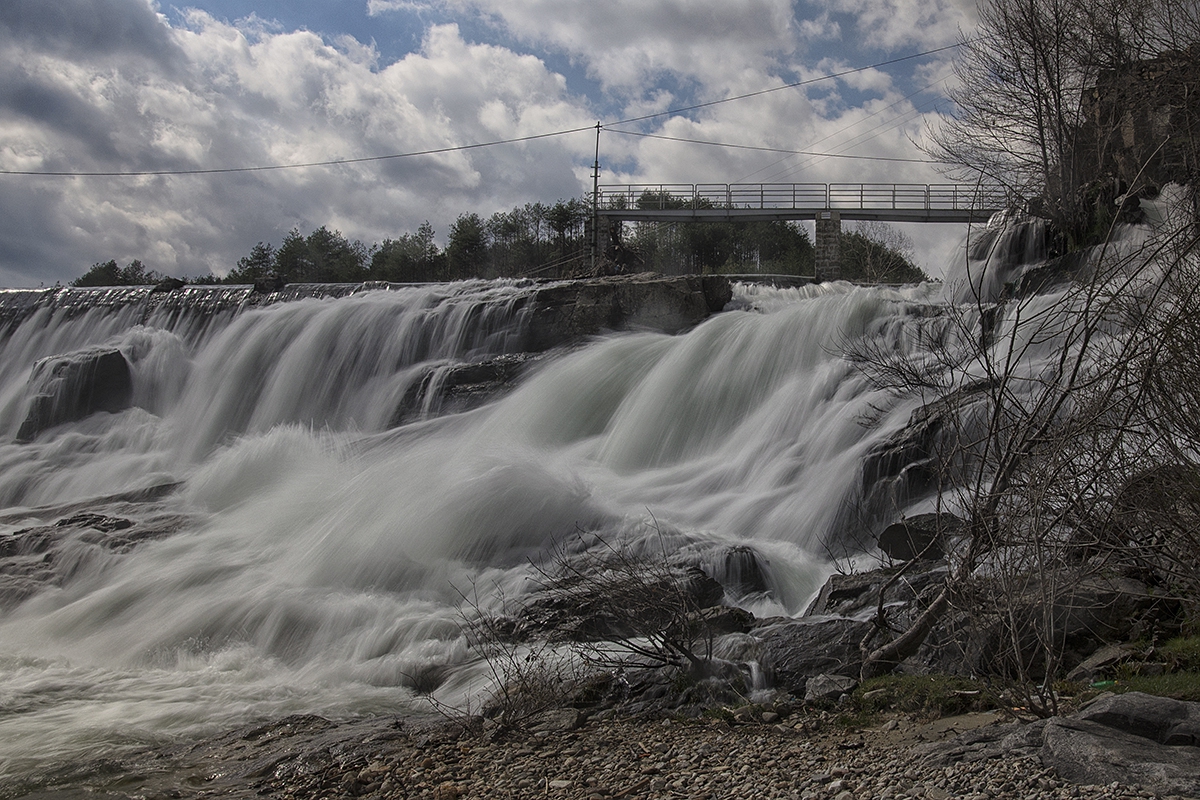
x,y
1047,421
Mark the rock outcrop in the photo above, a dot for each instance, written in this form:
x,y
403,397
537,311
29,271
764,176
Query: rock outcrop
x,y
1131,739
76,385
568,311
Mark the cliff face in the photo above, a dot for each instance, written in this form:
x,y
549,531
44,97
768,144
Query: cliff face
x,y
1142,123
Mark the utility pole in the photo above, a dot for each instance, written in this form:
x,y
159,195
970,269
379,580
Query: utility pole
x,y
596,201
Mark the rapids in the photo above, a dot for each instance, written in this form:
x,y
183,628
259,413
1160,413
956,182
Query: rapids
x,y
319,557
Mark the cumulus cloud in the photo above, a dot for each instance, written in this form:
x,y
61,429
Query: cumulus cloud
x,y
234,96
626,44
114,85
893,24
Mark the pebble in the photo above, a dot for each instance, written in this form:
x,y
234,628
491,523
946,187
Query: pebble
x,y
639,759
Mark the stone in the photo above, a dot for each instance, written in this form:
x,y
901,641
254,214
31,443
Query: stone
x,y
857,594
1161,719
1097,662
461,387
826,688
168,285
76,385
795,650
1128,740
742,572
568,311
923,536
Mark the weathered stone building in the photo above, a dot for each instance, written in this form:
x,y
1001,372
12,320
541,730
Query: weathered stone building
x,y
1142,122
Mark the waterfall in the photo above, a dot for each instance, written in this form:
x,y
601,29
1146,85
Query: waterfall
x,y
303,552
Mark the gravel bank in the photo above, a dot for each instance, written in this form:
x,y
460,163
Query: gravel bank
x,y
808,759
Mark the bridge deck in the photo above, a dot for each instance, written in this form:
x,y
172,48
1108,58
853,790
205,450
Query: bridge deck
x,y
707,202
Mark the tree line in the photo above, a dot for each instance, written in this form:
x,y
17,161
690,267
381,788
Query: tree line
x,y
544,241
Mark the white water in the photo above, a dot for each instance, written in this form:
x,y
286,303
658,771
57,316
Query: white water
x,y
322,557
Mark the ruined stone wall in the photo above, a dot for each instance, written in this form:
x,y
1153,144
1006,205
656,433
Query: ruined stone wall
x,y
1142,123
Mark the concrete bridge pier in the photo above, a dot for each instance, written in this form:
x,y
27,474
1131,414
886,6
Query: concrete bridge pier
x,y
829,246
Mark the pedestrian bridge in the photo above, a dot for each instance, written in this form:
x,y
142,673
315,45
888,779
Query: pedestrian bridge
x,y
827,203
753,202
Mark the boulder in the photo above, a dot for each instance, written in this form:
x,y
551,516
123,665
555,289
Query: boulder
x,y
1130,739
857,594
76,385
922,536
741,572
828,688
907,465
568,311
168,285
461,387
793,651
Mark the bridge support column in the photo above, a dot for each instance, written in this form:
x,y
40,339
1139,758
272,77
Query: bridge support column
x,y
829,246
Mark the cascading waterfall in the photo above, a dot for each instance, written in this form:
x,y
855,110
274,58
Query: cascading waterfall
x,y
315,556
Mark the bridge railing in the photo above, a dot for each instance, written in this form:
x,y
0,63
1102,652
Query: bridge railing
x,y
856,196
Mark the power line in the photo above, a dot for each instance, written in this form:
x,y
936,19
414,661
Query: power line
x,y
806,82
477,145
773,149
264,168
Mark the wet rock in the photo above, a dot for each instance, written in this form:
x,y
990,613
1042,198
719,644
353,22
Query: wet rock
x,y
857,594
907,465
168,285
460,387
75,385
742,572
569,311
269,284
922,536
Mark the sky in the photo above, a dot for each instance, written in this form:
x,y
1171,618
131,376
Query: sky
x,y
121,86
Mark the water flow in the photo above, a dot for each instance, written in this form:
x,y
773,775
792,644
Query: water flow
x,y
317,559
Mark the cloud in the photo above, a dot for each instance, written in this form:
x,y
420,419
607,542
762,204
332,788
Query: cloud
x,y
895,24
237,96
627,44
90,29
139,92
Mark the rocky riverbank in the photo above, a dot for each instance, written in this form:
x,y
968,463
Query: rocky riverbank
x,y
807,755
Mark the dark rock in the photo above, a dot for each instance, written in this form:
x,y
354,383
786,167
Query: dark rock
x,y
572,310
461,387
796,650
1099,661
720,620
742,573
1092,753
168,285
1131,739
908,464
701,589
75,385
1174,723
1015,621
922,536
857,594
1055,272
717,292
269,284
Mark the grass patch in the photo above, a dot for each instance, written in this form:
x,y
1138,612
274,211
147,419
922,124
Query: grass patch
x,y
1184,685
928,695
1182,653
